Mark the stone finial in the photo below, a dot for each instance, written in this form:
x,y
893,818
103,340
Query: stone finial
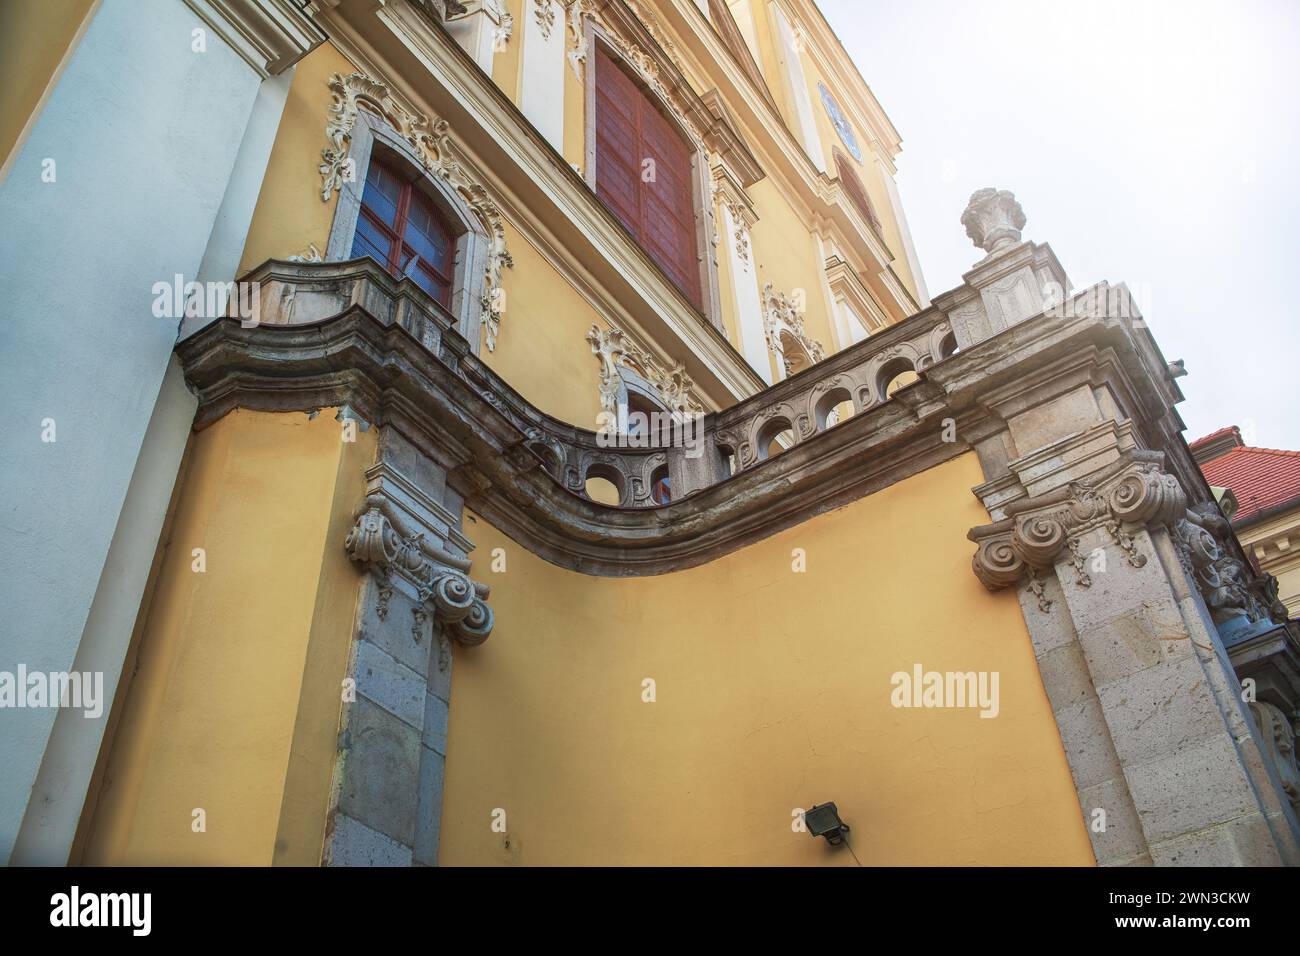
x,y
993,219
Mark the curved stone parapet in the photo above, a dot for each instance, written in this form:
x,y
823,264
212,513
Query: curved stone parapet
x,y
727,442
349,334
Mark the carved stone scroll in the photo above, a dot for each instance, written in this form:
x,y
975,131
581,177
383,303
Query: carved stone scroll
x,y
1133,493
459,604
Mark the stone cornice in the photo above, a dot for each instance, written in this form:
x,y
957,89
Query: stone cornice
x,y
271,35
394,358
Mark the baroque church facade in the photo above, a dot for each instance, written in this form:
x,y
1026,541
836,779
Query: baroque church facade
x,y
518,432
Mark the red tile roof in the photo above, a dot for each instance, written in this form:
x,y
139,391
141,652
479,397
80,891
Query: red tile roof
x,y
1212,436
1261,478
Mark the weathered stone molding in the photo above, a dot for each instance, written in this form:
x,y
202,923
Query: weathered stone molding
x,y
379,541
349,333
1238,598
393,355
431,140
1279,734
415,601
1131,494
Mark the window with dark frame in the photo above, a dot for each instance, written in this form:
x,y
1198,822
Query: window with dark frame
x,y
400,227
644,175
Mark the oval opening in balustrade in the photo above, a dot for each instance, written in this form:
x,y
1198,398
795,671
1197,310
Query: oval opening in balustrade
x,y
661,486
774,437
604,484
728,455
948,346
834,407
894,375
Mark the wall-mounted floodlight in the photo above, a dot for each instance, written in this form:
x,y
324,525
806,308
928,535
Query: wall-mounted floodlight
x,y
824,821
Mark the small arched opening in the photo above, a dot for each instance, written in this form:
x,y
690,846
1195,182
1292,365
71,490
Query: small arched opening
x,y
604,484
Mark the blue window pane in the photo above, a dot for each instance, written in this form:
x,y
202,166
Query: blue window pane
x,y
369,241
427,236
381,193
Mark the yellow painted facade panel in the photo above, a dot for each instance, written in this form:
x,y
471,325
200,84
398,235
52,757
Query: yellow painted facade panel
x,y
290,215
35,36
772,692
229,693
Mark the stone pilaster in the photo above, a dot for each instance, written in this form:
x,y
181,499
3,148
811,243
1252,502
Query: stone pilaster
x,y
417,600
1137,673
1129,579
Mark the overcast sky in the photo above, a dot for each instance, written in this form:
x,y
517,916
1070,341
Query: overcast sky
x,y
1149,142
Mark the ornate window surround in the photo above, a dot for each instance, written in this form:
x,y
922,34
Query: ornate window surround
x,y
786,337
588,26
626,368
365,117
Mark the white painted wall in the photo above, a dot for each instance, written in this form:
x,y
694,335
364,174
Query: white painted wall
x,y
796,86
909,250
145,133
747,301
541,89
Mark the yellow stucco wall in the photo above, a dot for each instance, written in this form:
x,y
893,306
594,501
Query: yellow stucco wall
x,y
773,692
790,265
290,215
235,701
35,35
542,350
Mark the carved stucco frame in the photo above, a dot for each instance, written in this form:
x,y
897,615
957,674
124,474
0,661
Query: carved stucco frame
x,y
584,23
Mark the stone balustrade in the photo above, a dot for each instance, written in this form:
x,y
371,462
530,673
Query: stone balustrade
x,y
692,454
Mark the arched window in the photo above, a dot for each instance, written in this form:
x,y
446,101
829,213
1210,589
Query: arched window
x,y
643,173
857,192
401,228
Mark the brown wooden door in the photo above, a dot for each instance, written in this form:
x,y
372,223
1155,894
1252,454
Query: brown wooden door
x,y
632,138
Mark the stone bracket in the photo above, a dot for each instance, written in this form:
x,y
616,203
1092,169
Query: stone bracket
x,y
380,542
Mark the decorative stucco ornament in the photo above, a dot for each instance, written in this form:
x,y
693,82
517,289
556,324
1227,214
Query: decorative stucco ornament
x,y
544,13
781,321
617,351
432,142
993,219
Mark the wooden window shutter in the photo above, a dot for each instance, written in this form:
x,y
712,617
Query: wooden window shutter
x,y
857,192
660,212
